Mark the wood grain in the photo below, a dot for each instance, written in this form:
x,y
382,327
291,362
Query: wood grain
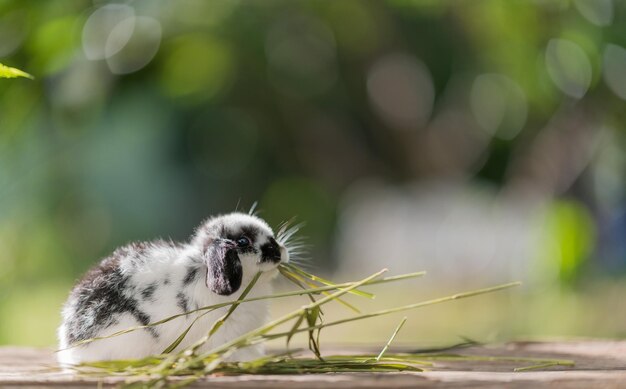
x,y
599,364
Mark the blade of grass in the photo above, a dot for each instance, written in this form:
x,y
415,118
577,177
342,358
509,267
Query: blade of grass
x,y
459,357
382,352
289,276
300,280
316,366
538,366
370,358
291,333
182,336
321,280
406,307
219,322
312,315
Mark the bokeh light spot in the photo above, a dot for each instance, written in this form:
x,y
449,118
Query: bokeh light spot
x,y
615,69
568,67
139,48
97,40
499,105
198,65
401,90
598,12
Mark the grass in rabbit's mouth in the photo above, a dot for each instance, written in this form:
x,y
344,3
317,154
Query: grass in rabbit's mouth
x,y
191,364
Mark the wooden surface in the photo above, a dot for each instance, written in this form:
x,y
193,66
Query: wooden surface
x,y
599,364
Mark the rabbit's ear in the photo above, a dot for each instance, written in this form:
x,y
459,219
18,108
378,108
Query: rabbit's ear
x,y
224,269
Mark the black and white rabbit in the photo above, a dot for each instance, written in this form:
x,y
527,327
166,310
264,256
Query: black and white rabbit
x,y
144,282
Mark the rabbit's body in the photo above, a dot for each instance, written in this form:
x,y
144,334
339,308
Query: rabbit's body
x,y
143,283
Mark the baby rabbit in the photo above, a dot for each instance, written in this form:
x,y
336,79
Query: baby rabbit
x,y
145,282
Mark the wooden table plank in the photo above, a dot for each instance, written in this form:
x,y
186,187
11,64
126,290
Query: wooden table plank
x,y
599,363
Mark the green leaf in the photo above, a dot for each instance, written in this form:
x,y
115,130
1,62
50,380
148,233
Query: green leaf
x,y
8,72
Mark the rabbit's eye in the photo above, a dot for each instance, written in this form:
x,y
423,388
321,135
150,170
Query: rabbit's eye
x,y
243,242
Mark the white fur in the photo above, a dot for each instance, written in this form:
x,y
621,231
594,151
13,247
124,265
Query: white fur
x,y
161,262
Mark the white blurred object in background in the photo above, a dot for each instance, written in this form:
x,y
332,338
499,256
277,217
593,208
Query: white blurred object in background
x,y
456,231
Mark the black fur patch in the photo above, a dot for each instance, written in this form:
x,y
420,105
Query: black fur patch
x,y
270,251
191,275
182,301
251,232
148,291
98,298
144,319
224,273
248,250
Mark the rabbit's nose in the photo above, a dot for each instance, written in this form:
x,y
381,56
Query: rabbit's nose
x,y
270,251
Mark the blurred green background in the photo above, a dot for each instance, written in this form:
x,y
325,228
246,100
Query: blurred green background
x,y
482,141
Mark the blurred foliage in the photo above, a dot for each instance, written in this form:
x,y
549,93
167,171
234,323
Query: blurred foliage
x,y
568,236
147,116
8,72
